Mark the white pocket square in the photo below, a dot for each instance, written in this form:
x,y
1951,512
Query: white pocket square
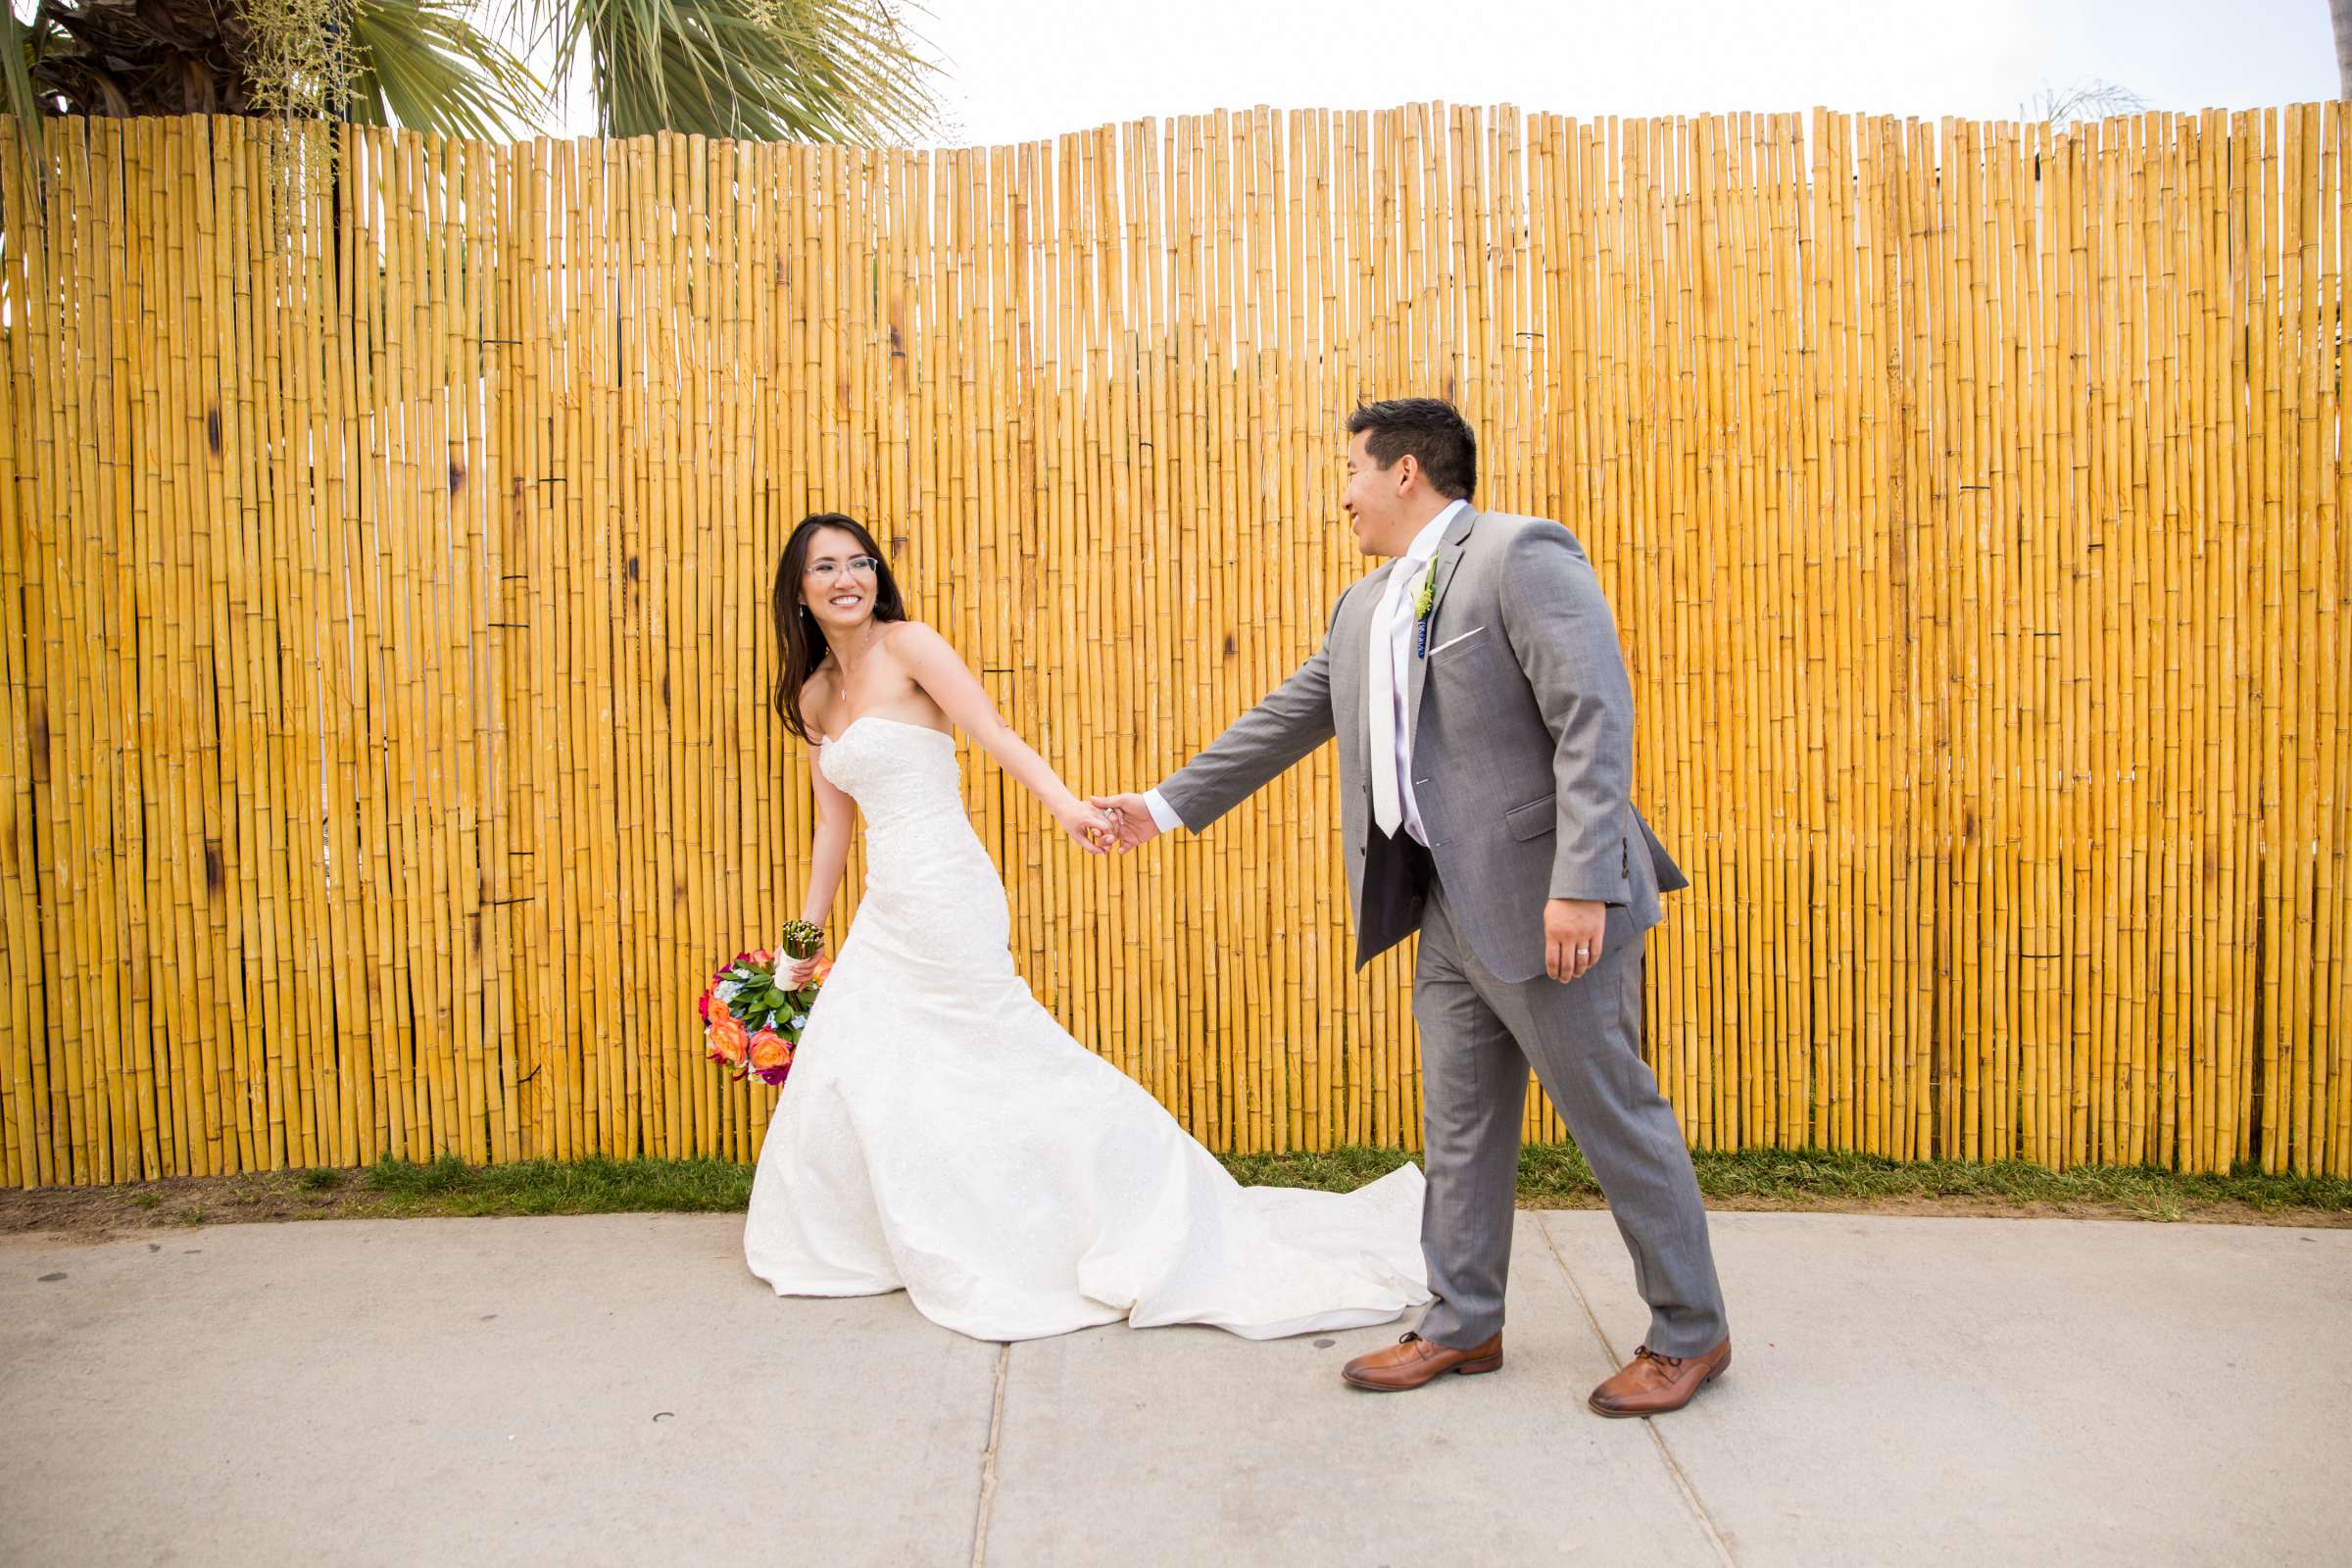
x,y
1450,641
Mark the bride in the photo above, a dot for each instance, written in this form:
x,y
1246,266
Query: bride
x,y
941,1133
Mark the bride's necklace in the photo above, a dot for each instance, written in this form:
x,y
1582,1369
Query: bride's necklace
x,y
850,662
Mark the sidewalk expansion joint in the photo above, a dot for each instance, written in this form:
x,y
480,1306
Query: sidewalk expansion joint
x,y
988,1459
1674,1469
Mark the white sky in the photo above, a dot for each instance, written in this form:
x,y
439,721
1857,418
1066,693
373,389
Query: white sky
x,y
1017,69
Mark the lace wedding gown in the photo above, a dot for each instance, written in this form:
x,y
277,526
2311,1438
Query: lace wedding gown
x,y
942,1134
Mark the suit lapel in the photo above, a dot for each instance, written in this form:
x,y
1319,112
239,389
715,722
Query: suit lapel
x,y
1352,666
1450,556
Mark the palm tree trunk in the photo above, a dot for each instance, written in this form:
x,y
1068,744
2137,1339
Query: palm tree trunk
x,y
2341,12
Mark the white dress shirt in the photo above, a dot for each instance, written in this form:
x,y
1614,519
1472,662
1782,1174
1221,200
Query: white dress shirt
x,y
1392,634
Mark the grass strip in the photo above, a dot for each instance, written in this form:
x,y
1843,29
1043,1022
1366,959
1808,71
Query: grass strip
x,y
1550,1176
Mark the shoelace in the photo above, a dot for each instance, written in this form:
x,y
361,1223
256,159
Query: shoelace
x,y
1644,1353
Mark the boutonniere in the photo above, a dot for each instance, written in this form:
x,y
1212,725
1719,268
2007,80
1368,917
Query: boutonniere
x,y
1423,602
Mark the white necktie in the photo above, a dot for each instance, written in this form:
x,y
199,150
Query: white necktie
x,y
1388,806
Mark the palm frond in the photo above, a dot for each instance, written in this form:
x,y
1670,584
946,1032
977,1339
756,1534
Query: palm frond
x,y
21,40
22,43
845,71
424,65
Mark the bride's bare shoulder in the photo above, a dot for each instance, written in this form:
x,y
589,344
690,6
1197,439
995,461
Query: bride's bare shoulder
x,y
915,639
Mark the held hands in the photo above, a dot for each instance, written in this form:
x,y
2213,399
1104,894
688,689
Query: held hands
x,y
1132,816
1095,829
1572,930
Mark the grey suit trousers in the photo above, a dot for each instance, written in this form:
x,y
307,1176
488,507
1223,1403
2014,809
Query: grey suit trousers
x,y
1479,1035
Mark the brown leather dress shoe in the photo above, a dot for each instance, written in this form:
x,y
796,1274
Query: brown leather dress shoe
x,y
1413,1360
1652,1384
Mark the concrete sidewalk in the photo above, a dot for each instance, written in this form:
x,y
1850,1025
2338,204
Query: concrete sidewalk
x,y
619,1390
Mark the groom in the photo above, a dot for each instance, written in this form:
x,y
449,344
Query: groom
x,y
1485,726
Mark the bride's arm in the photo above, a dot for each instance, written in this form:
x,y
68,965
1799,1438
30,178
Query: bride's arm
x,y
828,858
941,673
829,851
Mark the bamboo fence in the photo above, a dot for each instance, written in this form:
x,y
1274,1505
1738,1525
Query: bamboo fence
x,y
384,663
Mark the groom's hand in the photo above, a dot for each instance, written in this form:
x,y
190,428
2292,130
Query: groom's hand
x,y
1572,930
1131,815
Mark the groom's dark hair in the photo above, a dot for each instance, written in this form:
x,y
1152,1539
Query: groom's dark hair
x,y
1432,431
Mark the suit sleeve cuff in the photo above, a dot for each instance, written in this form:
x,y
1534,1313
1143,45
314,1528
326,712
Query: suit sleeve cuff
x,y
1590,888
1162,813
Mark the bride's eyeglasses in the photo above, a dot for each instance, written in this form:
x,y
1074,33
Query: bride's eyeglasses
x,y
827,570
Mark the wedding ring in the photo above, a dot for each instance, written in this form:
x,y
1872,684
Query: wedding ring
x,y
1584,952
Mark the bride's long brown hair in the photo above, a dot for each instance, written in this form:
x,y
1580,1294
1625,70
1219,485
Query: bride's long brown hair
x,y
800,641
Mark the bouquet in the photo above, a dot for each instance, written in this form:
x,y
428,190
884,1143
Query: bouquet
x,y
751,1022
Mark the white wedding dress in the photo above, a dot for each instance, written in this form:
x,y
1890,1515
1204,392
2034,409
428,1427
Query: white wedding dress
x,y
942,1134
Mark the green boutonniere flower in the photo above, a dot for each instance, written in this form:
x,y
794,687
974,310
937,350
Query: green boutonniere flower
x,y
1423,602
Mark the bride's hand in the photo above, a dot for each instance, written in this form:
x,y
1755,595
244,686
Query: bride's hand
x,y
1094,829
793,973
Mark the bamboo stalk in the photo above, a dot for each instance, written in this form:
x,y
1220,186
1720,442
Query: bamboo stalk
x,y
1965,496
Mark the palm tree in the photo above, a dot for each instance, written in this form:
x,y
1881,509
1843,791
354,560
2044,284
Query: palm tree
x,y
761,69
2093,101
417,63
2340,11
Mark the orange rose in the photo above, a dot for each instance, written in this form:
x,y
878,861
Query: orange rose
x,y
771,1050
771,1057
727,1042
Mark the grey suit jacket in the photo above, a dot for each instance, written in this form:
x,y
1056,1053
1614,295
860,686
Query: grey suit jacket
x,y
1522,746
